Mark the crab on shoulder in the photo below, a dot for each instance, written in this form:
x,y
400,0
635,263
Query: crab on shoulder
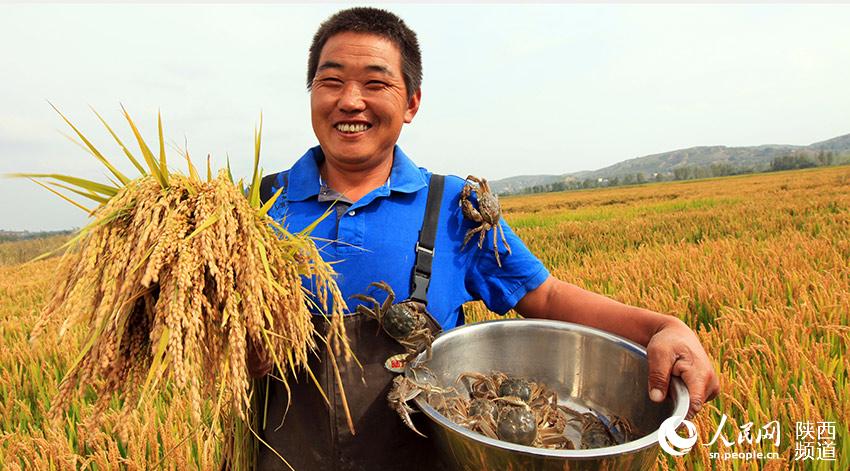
x,y
487,214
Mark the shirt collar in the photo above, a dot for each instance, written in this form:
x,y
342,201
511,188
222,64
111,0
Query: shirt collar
x,y
405,176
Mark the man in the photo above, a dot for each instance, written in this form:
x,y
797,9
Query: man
x,y
364,74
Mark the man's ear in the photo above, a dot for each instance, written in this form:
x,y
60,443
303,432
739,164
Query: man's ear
x,y
413,106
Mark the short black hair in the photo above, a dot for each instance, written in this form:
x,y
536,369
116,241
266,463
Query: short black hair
x,y
371,21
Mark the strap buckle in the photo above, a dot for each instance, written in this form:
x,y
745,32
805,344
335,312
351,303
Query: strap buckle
x,y
420,287
424,260
419,248
422,272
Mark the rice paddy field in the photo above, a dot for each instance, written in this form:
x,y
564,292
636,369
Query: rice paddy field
x,y
758,265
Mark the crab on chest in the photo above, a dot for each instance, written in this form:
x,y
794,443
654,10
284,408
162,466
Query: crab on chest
x,y
406,321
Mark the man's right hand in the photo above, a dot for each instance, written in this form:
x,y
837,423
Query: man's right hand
x,y
257,366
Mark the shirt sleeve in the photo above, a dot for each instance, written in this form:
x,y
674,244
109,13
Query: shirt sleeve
x,y
501,288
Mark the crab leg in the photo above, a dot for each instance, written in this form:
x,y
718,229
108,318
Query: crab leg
x,y
495,247
472,232
483,233
390,294
502,233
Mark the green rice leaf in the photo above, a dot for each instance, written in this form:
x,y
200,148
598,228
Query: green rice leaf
x,y
87,194
158,358
120,176
114,183
229,173
144,258
111,217
256,177
76,142
266,403
318,384
89,344
146,151
270,447
209,221
269,276
87,210
307,230
78,182
268,205
193,172
163,167
123,147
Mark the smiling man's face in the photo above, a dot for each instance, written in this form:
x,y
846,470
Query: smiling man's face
x,y
358,100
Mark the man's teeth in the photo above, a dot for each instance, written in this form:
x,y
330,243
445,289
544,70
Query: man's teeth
x,y
360,127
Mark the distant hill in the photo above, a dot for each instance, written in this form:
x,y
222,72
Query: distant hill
x,y
666,162
838,144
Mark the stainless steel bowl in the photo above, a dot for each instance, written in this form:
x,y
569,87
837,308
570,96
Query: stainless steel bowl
x,y
588,368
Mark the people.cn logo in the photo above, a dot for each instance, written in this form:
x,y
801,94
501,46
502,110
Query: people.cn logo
x,y
671,441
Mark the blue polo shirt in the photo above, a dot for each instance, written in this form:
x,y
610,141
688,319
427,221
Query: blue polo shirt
x,y
375,240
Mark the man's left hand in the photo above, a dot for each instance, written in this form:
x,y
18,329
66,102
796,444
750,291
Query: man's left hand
x,y
675,349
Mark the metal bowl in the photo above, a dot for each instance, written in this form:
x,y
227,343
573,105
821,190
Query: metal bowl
x,y
589,370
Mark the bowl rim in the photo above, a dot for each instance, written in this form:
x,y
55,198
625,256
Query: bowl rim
x,y
677,392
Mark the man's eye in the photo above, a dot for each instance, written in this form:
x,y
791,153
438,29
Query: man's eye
x,y
331,81
376,84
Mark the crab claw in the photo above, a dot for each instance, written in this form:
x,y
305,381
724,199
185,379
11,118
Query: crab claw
x,y
404,412
404,390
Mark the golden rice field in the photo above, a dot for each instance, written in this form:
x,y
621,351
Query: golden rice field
x,y
759,265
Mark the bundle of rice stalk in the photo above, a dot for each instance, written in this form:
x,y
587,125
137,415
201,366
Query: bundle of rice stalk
x,y
176,278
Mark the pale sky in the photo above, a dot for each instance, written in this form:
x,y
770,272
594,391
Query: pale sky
x,y
507,89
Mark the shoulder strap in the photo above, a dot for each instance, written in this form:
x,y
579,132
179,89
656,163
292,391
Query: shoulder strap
x,y
427,237
267,185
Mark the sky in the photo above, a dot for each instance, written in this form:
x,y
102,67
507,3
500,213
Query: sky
x,y
507,89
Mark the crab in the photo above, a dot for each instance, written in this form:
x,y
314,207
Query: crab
x,y
487,214
405,389
479,385
595,433
402,391
551,421
622,430
497,385
551,424
517,387
503,418
406,321
514,409
481,408
515,421
526,412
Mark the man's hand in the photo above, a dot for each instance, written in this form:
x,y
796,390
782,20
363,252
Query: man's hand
x,y
257,366
676,350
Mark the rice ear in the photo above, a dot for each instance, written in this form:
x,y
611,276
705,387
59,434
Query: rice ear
x,y
173,276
